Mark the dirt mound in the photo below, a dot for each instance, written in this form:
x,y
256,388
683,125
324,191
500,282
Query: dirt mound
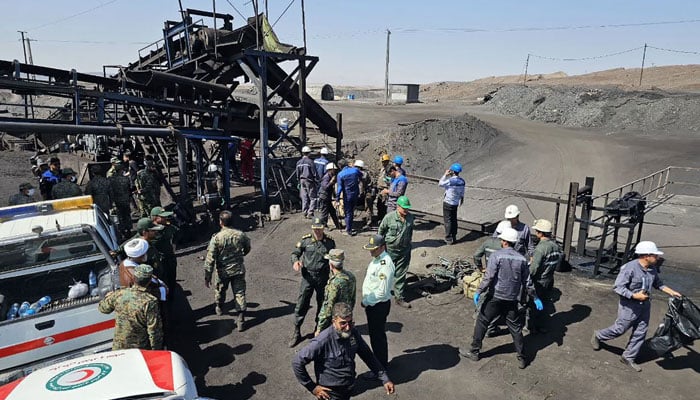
x,y
461,139
612,109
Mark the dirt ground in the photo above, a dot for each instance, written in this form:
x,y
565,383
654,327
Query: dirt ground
x,y
424,340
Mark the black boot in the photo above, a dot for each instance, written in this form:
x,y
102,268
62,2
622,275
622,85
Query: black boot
x,y
296,337
240,321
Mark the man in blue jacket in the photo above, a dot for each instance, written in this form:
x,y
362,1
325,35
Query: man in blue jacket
x,y
349,186
397,188
454,197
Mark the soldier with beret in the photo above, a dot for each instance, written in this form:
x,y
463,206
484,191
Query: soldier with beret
x,y
340,288
224,263
114,168
25,195
308,258
138,321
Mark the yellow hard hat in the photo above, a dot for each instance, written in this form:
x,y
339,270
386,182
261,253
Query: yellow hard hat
x,y
385,157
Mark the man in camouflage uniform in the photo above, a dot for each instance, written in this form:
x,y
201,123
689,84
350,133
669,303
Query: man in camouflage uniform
x,y
120,193
165,244
67,186
225,257
148,231
383,181
397,229
340,289
98,188
367,193
545,261
308,257
148,188
114,168
25,195
138,322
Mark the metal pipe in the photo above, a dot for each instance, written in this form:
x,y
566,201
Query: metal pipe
x,y
156,80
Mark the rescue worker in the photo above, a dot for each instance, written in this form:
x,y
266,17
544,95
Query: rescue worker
x,y
454,187
308,257
306,173
397,230
231,151
213,185
50,178
225,264
325,197
524,246
165,244
507,274
396,189
98,188
633,284
114,167
25,195
138,322
67,186
148,189
398,162
120,193
367,193
489,246
383,181
349,185
247,156
545,260
376,296
339,289
320,164
333,354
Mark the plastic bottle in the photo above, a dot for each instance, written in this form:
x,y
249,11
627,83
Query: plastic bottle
x,y
40,303
92,280
23,309
13,312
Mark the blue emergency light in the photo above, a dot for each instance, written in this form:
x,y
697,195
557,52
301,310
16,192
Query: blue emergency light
x,y
44,207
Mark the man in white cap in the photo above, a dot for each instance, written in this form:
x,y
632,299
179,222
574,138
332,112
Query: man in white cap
x,y
524,245
320,163
306,174
507,274
545,260
633,285
136,251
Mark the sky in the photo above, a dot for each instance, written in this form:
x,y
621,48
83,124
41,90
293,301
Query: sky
x,y
430,41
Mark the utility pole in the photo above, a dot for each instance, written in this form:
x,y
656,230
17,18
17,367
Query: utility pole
x,y
644,56
386,70
527,62
303,24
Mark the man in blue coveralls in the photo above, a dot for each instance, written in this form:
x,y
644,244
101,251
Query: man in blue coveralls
x,y
349,186
633,284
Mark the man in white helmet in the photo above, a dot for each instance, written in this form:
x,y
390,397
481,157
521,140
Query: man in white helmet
x,y
524,245
545,260
633,285
306,173
507,274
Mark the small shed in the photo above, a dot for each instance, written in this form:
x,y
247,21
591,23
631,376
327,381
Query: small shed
x,y
327,92
404,92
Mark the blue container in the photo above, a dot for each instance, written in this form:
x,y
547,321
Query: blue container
x,y
351,97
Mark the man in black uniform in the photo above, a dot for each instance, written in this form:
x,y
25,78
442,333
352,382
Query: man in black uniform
x,y
308,257
333,354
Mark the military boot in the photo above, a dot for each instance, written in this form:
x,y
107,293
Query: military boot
x,y
240,321
218,309
296,337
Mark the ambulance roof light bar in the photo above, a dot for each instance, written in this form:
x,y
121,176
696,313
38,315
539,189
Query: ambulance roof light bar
x,y
43,207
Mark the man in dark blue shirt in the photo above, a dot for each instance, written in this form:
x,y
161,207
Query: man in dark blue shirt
x,y
349,185
333,353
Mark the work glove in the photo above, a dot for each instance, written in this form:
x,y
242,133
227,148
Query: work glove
x,y
476,299
538,304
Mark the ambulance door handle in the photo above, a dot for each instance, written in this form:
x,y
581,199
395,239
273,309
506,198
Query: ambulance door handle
x,y
45,325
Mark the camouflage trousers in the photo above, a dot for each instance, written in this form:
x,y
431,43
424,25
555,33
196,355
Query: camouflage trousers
x,y
402,260
237,283
146,204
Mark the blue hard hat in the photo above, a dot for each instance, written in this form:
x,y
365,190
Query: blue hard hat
x,y
398,160
456,167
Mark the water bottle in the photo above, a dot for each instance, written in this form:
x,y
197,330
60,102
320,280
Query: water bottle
x,y
12,313
40,303
92,283
23,309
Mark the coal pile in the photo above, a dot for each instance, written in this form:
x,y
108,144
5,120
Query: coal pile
x,y
612,109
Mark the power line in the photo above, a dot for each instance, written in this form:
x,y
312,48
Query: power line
x,y
549,28
675,51
72,16
234,7
587,58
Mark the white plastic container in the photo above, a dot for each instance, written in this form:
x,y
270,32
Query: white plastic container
x,y
275,212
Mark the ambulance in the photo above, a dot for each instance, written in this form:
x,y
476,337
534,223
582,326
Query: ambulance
x,y
121,374
48,250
